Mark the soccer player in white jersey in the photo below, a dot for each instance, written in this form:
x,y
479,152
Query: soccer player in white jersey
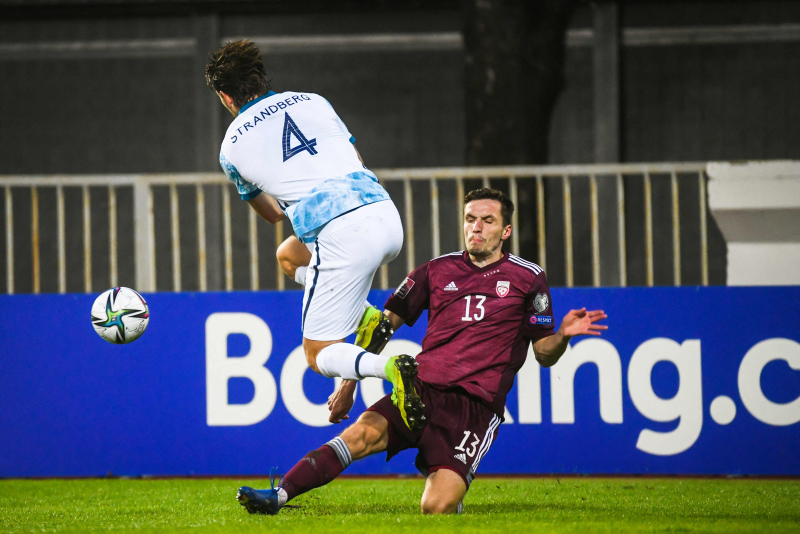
x,y
291,156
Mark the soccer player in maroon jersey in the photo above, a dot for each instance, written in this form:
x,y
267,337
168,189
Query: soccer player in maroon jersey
x,y
484,307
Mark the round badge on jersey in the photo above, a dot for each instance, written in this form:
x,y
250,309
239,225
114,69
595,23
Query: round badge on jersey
x,y
540,302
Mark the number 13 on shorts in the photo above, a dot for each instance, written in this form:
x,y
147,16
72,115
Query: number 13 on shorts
x,y
472,447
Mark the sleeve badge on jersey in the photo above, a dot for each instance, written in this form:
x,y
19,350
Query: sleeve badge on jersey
x,y
541,302
404,288
503,288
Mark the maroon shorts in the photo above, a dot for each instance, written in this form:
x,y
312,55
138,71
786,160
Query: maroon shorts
x,y
459,432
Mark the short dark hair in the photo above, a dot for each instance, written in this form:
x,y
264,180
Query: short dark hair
x,y
485,193
237,70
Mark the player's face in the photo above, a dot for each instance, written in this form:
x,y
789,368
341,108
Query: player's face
x,y
484,231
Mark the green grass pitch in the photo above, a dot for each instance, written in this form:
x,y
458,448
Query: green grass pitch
x,y
510,505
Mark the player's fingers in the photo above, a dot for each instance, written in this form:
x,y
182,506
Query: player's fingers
x,y
598,327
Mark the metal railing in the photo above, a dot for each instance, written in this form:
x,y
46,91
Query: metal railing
x,y
610,173
550,200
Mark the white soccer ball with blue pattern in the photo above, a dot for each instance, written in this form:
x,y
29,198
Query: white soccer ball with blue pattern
x,y
120,315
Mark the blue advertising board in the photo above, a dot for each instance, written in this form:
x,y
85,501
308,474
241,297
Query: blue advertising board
x,y
685,381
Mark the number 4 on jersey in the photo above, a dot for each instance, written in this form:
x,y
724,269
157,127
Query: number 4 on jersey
x,y
290,129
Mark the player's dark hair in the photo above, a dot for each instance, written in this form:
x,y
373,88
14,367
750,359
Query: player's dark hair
x,y
484,193
237,70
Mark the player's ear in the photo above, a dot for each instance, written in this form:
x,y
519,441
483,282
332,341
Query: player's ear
x,y
506,233
226,98
228,102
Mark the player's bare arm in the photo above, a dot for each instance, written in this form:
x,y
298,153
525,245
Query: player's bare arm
x,y
548,350
341,401
267,208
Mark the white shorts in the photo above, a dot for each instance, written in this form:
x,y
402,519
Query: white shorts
x,y
344,258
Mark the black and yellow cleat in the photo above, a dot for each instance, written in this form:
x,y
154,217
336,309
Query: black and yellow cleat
x,y
404,394
374,331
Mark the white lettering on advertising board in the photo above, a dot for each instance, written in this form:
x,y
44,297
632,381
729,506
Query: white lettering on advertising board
x,y
686,406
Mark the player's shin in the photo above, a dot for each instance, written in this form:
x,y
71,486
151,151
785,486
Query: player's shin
x,y
350,362
317,468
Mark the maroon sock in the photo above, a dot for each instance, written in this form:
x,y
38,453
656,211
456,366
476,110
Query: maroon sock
x,y
316,469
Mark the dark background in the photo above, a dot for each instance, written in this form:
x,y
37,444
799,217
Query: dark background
x,y
79,113
117,87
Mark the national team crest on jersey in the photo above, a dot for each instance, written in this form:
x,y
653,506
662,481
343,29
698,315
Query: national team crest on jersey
x,y
503,288
404,288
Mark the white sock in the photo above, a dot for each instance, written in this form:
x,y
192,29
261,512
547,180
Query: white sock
x,y
350,362
282,496
300,275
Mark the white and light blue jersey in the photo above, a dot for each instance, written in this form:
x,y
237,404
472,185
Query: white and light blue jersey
x,y
295,148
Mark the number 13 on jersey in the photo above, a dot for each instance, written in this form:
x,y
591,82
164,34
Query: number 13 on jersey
x,y
478,315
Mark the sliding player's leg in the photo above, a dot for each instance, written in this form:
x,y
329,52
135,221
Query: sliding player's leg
x,y
369,435
444,491
461,432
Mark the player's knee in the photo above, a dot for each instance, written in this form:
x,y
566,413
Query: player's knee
x,y
311,357
312,363
437,504
283,256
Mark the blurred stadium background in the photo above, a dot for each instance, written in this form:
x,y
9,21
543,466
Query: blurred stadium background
x,y
100,89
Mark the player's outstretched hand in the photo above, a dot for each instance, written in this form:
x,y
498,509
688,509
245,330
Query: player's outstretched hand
x,y
582,322
341,400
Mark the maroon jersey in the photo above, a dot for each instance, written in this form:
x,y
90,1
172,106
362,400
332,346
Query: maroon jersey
x,y
480,321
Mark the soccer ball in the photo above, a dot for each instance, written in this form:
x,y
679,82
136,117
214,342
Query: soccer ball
x,y
120,315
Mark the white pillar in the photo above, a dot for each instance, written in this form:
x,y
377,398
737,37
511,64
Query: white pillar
x,y
757,207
